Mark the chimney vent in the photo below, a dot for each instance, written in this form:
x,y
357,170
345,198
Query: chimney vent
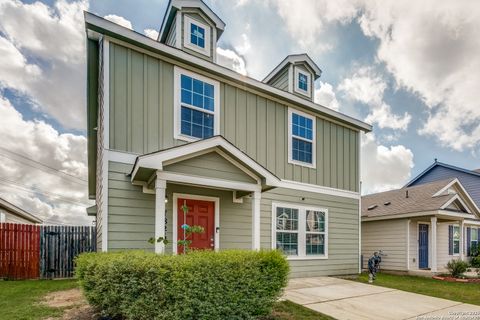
x,y
406,194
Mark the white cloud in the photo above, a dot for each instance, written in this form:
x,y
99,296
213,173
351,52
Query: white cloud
x,y
306,20
368,87
52,196
384,168
151,33
45,56
326,96
432,49
119,20
230,59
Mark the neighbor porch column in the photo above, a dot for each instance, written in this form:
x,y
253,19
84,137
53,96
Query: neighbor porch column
x,y
433,223
256,198
160,186
462,240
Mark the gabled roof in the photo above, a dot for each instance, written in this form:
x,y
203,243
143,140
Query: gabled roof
x,y
292,59
426,197
157,160
445,165
13,209
97,25
175,5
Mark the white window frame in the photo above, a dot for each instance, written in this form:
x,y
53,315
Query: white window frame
x,y
296,87
177,117
473,230
302,233
188,21
313,165
453,240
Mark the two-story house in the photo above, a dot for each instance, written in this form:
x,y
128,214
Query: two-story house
x,y
258,164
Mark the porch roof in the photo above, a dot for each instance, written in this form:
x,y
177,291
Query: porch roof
x,y
148,165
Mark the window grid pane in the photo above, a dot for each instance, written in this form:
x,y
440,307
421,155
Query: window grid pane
x,y
301,150
315,221
197,35
288,243
302,81
196,123
287,219
315,244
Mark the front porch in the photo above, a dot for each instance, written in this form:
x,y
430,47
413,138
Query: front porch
x,y
216,181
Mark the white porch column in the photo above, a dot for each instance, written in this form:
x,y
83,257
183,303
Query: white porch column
x,y
462,239
160,186
256,198
433,223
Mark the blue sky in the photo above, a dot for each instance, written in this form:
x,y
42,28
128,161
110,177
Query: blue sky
x,y
406,67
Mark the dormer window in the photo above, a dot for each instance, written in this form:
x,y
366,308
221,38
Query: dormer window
x,y
302,82
196,36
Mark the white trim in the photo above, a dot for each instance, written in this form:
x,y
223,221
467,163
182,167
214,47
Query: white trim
x,y
301,186
313,165
177,104
119,156
467,195
256,200
408,244
359,167
462,240
106,140
160,192
184,57
433,227
296,87
187,21
292,59
239,165
453,215
216,230
209,182
456,197
301,229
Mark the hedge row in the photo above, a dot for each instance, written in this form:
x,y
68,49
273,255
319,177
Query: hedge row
x,y
200,285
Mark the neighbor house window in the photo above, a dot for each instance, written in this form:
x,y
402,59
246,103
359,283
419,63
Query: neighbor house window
x,y
197,106
301,138
300,231
456,240
196,36
302,82
473,238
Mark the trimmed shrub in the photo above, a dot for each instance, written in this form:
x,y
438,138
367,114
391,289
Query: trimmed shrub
x,y
230,284
457,267
475,262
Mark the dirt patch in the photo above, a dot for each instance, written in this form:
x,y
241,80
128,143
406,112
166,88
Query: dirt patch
x,y
74,304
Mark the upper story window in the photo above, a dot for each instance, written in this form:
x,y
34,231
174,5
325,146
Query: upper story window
x,y
197,106
196,36
301,139
300,232
302,82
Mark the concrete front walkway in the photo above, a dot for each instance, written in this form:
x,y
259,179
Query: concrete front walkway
x,y
344,299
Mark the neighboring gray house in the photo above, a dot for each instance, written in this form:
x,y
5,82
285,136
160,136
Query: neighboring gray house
x,y
10,213
258,163
470,179
420,227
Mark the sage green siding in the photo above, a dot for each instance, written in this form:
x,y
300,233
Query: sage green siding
x,y
280,81
141,121
210,165
131,221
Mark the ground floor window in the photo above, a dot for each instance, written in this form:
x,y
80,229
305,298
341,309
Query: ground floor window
x,y
456,240
474,239
300,231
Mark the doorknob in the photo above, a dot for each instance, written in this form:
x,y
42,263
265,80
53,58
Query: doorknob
x,y
212,242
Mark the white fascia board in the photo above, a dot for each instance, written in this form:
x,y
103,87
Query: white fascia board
x,y
456,197
91,19
467,195
291,59
444,213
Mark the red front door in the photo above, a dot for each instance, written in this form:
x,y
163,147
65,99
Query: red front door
x,y
200,213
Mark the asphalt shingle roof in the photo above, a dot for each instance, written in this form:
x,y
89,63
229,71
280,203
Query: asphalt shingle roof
x,y
420,198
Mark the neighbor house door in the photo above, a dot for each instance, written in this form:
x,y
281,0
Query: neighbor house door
x,y
423,246
200,213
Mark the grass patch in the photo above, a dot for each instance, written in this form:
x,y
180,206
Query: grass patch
x,y
20,299
287,310
461,292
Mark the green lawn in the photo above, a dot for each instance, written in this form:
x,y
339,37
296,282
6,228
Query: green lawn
x,y
462,292
19,299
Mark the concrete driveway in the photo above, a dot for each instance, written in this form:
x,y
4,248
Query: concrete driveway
x,y
344,299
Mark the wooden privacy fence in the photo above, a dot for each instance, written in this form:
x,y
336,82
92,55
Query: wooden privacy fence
x,y
30,252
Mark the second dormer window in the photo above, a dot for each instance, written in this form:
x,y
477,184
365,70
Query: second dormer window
x,y
302,82
196,36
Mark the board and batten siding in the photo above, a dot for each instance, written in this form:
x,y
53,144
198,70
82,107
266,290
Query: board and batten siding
x,y
280,81
132,219
390,236
141,121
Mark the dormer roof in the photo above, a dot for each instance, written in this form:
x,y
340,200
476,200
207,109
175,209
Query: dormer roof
x,y
293,59
175,5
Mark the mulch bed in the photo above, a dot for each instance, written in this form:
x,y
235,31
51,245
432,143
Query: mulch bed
x,y
452,279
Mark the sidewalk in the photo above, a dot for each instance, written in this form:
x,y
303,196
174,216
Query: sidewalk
x,y
344,299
